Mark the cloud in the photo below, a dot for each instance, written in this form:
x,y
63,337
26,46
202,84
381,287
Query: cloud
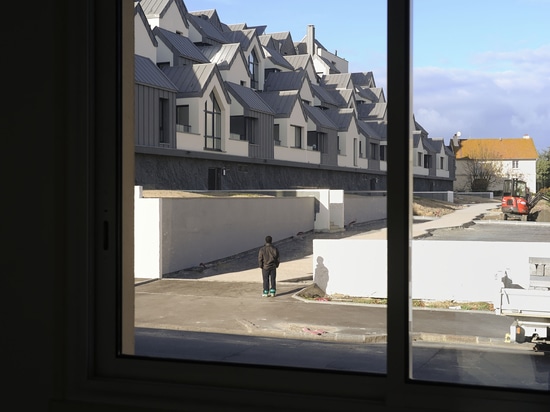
x,y
485,102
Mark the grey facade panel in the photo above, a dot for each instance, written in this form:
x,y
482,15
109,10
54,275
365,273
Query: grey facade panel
x,y
147,120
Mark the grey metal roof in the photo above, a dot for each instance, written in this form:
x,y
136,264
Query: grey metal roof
x,y
324,95
207,30
341,117
180,45
248,98
268,41
381,129
341,96
284,39
282,102
285,81
244,37
223,55
367,130
277,58
191,81
337,81
371,111
332,67
238,26
211,15
146,72
157,8
319,117
363,79
298,61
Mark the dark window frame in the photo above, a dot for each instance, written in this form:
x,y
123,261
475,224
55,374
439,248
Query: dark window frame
x,y
95,367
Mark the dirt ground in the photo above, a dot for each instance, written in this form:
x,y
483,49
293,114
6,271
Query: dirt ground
x,y
421,206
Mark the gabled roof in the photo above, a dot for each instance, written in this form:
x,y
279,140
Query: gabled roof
x,y
244,37
363,79
223,55
341,117
248,98
371,111
208,31
277,58
325,96
298,61
368,130
341,96
319,117
158,8
285,43
331,66
381,129
211,15
192,81
237,26
282,102
337,81
497,149
372,94
180,45
147,73
285,81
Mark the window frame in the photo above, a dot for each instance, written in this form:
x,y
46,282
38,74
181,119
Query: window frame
x,y
95,371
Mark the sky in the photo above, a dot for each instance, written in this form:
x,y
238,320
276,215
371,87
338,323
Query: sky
x,y
480,67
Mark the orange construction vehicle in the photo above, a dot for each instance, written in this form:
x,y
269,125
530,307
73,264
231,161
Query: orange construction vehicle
x,y
516,201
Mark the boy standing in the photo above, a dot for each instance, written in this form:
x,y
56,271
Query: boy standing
x,y
268,260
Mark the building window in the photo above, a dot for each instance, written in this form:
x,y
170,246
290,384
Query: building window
x,y
212,124
297,137
419,159
182,119
373,151
253,69
442,163
164,128
427,161
515,164
276,135
382,152
244,127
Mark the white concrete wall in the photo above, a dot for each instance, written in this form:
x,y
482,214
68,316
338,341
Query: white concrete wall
x,y
200,230
364,207
441,270
146,236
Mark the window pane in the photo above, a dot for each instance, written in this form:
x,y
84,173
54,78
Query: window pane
x,y
480,284
199,286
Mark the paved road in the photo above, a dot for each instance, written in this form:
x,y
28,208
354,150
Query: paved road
x,y
216,313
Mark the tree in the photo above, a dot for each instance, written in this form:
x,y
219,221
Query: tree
x,y
543,170
482,170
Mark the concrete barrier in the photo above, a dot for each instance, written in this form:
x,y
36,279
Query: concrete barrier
x,y
441,270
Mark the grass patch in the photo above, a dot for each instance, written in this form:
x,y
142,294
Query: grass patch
x,y
417,303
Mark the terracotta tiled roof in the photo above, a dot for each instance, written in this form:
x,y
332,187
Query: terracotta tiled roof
x,y
497,149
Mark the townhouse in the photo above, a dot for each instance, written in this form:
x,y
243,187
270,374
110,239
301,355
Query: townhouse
x,y
511,157
233,107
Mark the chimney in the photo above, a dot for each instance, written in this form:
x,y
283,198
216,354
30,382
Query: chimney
x,y
310,39
526,136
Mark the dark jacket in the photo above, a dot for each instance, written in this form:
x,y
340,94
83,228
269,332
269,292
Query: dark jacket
x,y
268,257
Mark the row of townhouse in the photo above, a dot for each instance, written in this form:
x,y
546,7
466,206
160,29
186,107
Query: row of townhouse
x,y
232,107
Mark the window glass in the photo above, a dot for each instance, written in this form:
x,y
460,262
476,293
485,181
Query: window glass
x,y
481,297
198,281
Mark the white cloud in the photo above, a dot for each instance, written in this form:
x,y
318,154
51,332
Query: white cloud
x,y
487,103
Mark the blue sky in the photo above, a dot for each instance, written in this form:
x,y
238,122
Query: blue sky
x,y
481,67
